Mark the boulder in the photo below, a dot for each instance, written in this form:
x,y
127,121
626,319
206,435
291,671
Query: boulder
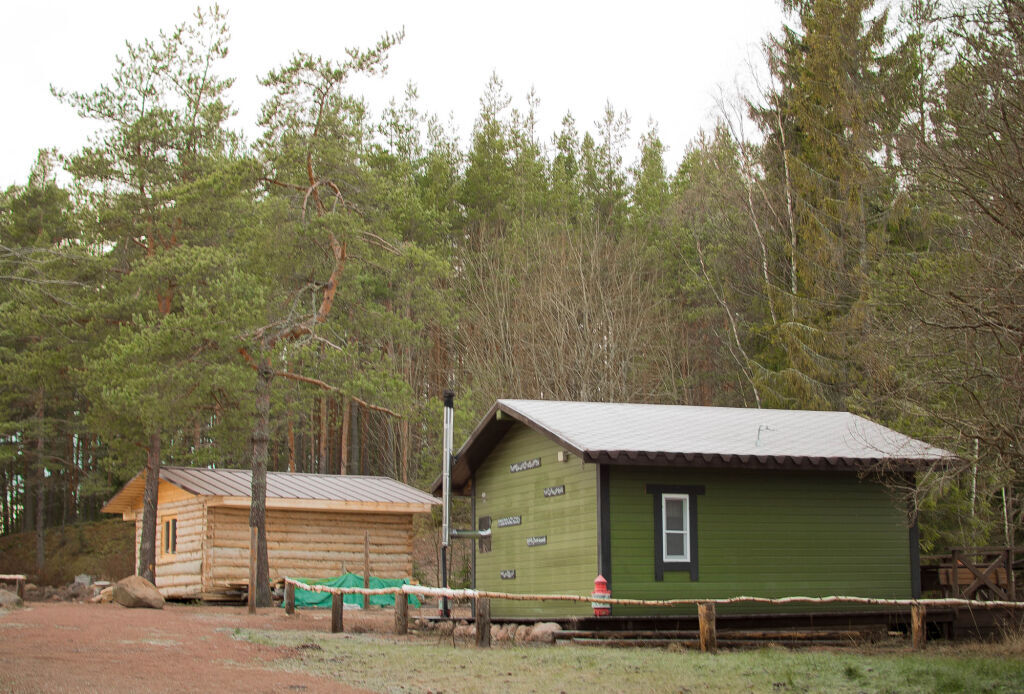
x,y
135,591
9,600
543,632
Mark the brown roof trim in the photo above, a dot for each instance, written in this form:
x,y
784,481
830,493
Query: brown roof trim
x,y
715,460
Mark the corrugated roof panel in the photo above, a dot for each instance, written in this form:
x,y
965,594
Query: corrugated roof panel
x,y
616,429
284,485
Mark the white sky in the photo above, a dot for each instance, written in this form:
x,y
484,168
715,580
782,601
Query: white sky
x,y
660,60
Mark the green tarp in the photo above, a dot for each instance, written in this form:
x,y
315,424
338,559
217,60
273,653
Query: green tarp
x,y
310,598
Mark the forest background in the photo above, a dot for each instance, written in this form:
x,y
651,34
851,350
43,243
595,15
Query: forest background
x,y
849,235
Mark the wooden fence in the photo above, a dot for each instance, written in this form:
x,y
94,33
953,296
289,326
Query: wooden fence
x,y
705,606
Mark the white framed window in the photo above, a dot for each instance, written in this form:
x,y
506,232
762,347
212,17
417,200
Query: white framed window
x,y
675,524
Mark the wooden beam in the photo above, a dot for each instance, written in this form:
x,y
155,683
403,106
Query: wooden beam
x,y
345,425
337,613
289,598
483,623
366,568
401,614
918,626
325,505
706,620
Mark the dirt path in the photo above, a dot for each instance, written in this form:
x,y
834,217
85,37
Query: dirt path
x,y
75,647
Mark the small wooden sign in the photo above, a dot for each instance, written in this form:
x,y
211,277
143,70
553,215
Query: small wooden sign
x,y
524,465
554,491
509,521
537,541
507,574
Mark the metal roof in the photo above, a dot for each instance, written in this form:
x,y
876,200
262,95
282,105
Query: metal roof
x,y
619,433
280,485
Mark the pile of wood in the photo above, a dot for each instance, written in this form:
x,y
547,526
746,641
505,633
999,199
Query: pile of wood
x,y
236,592
726,638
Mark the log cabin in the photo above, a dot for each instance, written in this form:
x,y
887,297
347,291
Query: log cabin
x,y
316,526
671,501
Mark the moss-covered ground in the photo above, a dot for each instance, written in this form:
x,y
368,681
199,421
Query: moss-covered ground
x,y
431,664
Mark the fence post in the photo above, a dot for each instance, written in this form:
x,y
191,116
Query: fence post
x,y
401,613
483,622
337,613
289,598
19,586
918,627
706,620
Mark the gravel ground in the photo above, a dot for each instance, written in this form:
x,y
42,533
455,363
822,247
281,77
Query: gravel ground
x,y
81,647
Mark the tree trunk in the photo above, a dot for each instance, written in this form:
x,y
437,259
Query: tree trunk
x,y
40,475
147,543
258,506
5,516
28,501
322,463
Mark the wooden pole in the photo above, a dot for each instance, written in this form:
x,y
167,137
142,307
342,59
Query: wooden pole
x,y
291,444
918,630
401,614
345,414
404,443
366,568
483,623
337,613
289,598
252,569
706,619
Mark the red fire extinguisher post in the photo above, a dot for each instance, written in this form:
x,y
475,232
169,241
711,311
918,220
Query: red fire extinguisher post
x,y
601,592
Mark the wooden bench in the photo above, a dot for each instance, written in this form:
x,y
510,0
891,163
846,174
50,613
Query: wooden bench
x,y
19,583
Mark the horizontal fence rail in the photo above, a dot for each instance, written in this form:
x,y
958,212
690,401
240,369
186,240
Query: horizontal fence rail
x,y
471,594
705,606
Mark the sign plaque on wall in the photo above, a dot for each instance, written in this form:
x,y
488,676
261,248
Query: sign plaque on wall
x,y
507,574
554,491
524,465
509,521
536,541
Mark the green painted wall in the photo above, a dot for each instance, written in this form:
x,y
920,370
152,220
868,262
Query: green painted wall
x,y
764,534
568,562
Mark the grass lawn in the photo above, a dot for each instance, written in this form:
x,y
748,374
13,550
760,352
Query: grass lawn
x,y
388,664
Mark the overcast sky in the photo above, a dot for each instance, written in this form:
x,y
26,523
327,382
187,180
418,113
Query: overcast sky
x,y
657,60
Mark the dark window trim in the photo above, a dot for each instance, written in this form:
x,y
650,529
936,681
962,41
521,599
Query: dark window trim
x,y
660,565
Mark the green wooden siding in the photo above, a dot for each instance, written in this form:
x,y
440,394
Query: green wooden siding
x,y
764,534
568,562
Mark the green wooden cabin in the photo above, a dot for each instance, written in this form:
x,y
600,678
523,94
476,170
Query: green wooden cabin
x,y
696,502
